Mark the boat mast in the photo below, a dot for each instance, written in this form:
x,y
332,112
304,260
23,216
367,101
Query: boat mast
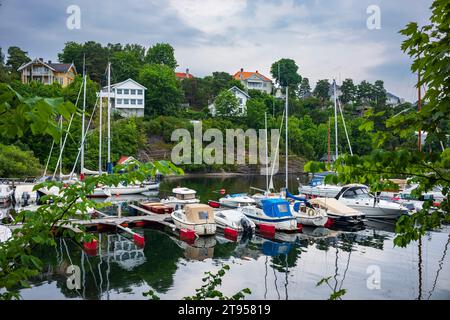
x,y
109,165
60,145
100,135
83,119
329,142
335,120
267,155
419,107
287,143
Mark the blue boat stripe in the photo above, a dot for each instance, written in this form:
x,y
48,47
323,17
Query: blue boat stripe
x,y
271,220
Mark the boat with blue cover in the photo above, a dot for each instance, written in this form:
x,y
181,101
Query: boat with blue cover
x,y
274,212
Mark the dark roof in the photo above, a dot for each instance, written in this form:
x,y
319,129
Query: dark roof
x,y
60,67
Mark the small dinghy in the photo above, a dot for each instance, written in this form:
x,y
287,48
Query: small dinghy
x,y
181,197
233,219
274,212
195,217
237,199
305,213
156,207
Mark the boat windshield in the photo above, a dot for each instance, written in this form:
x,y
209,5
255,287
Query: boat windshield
x,y
357,193
203,215
185,196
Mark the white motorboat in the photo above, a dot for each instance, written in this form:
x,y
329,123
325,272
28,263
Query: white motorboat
x,y
237,199
134,188
338,211
320,190
181,197
196,217
5,234
274,212
25,195
6,193
357,196
233,219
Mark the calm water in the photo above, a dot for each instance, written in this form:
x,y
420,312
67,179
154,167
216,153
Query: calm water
x,y
286,267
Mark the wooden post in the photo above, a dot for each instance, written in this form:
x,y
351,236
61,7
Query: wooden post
x,y
419,107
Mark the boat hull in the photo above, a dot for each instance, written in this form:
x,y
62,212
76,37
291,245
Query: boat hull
x,y
201,229
282,224
318,221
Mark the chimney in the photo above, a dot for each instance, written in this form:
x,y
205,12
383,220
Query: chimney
x,y
242,69
256,71
41,59
242,76
49,61
187,72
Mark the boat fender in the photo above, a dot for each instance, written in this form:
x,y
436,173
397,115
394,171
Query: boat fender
x,y
311,212
231,232
266,228
139,240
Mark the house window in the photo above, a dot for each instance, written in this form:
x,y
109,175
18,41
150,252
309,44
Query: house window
x,y
133,101
139,91
139,101
119,91
61,80
125,101
119,101
133,91
126,91
240,101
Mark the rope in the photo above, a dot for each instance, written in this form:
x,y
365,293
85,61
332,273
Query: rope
x,y
345,127
83,140
67,133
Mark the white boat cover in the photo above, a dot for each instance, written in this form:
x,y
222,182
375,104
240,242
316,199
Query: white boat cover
x,y
335,206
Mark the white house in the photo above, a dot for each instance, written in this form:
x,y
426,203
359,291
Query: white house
x,y
254,80
127,98
242,98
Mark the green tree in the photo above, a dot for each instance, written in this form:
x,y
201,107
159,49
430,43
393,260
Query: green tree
x,y
285,73
365,92
348,90
226,104
379,95
218,82
161,53
304,89
322,91
96,58
16,57
163,95
15,163
256,108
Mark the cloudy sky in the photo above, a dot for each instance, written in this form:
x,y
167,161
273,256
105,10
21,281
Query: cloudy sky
x,y
326,38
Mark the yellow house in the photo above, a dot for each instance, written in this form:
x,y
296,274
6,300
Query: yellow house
x,y
47,72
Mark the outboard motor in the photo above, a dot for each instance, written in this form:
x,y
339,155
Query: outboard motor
x,y
246,225
25,198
